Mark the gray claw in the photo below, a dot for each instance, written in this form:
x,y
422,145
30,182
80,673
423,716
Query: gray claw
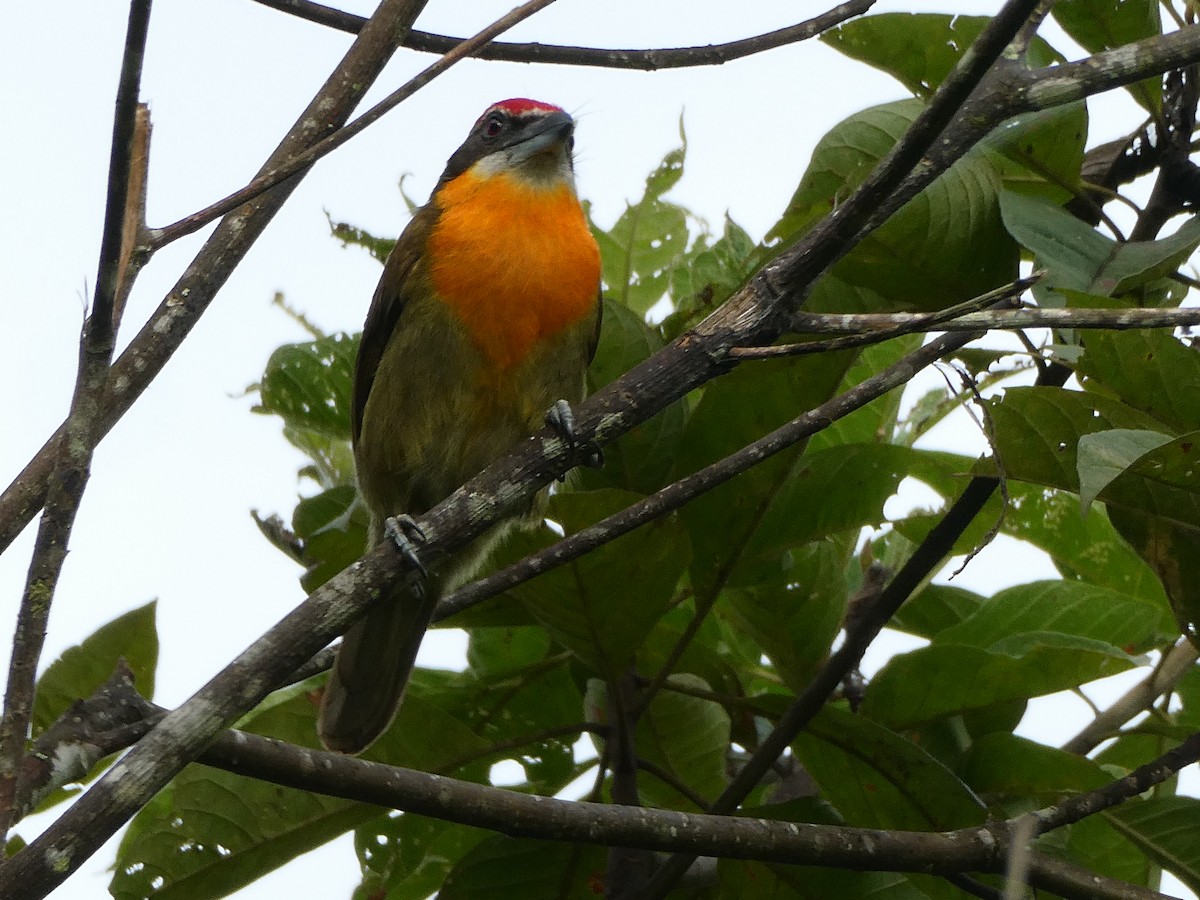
x,y
406,534
561,418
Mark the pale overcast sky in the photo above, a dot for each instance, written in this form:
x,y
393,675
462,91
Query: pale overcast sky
x,y
167,511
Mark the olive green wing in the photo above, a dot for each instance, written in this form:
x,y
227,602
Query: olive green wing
x,y
383,318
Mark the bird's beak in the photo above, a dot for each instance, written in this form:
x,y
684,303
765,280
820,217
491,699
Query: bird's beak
x,y
553,130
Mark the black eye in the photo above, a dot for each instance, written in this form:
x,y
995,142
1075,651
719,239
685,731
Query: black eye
x,y
570,143
493,126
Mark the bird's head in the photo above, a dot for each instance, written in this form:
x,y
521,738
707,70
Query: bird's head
x,y
526,139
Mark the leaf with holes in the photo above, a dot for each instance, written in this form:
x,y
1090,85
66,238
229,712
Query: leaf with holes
x,y
308,384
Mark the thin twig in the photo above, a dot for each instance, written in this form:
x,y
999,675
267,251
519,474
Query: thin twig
x,y
1176,663
160,237
648,60
873,328
1032,90
980,849
75,453
675,495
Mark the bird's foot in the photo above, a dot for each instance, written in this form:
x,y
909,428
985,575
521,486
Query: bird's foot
x,y
561,418
407,535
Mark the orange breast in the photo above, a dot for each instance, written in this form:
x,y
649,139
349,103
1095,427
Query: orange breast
x,y
515,261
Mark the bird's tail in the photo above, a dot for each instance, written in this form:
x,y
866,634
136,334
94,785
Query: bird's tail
x,y
372,668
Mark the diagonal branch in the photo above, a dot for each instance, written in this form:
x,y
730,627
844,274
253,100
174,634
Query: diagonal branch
x,y
1002,99
977,849
179,311
74,456
680,492
285,169
754,315
648,60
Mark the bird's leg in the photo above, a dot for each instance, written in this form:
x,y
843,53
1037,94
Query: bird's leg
x,y
561,418
406,534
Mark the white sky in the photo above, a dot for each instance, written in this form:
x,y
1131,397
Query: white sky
x,y
167,511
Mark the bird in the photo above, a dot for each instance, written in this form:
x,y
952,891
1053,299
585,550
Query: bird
x,y
481,329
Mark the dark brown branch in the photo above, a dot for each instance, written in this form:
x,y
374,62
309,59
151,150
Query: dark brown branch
x,y
973,849
648,60
160,237
675,495
93,414
74,457
1070,881
754,315
1005,98
179,311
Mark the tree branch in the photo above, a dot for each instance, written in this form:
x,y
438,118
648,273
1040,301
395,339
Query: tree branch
x,y
980,849
872,328
74,456
648,60
680,492
160,237
179,311
753,316
1176,663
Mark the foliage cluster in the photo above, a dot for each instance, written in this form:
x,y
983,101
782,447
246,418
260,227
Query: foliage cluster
x,y
1102,477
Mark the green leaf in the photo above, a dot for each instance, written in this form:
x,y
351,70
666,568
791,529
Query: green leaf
x,y
877,779
935,608
1108,24
648,240
1037,431
874,422
920,49
407,857
916,259
1082,259
81,669
308,384
742,879
1104,455
1000,766
353,236
1151,370
1094,844
504,868
498,652
1172,550
332,526
836,489
211,832
721,521
945,679
1164,828
709,273
641,459
1067,607
635,575
1041,153
1083,548
796,622
686,736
